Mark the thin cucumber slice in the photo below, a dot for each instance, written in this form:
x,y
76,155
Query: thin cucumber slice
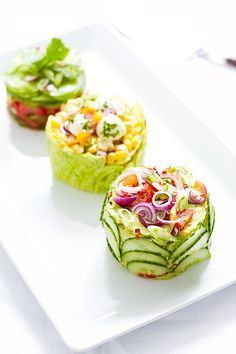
x,y
201,243
141,244
197,257
111,250
211,216
146,269
107,218
160,233
111,239
142,256
184,247
104,205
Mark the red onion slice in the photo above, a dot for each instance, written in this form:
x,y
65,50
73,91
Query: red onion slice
x,y
64,128
108,111
195,197
101,153
146,211
147,223
124,201
121,189
66,131
175,231
168,222
176,179
163,205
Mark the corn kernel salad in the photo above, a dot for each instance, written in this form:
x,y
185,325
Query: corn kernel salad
x,y
93,139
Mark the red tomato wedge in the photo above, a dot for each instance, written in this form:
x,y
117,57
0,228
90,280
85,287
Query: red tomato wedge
x,y
202,188
186,215
34,117
146,194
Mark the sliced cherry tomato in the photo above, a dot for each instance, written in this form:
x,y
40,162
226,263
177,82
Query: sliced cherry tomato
x,y
131,181
146,194
179,179
186,215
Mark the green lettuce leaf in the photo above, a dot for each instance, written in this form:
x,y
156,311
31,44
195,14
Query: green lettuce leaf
x,y
56,50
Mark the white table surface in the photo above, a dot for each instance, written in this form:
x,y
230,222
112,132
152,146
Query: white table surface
x,y
167,33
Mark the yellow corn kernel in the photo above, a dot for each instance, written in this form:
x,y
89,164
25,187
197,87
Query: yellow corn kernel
x,y
125,118
54,134
121,155
69,108
83,137
88,110
128,129
75,101
128,136
120,147
110,158
78,148
55,124
62,144
135,141
62,115
128,143
97,117
92,149
136,130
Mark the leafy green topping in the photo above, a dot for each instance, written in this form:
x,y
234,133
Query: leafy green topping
x,y
56,50
105,105
35,71
109,130
86,125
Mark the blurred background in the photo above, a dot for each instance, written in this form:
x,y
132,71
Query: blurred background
x,y
166,33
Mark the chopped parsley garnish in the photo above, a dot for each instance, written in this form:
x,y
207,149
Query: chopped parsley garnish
x,y
86,125
109,130
105,105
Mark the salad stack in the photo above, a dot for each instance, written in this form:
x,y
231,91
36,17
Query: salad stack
x,y
158,223
40,79
93,139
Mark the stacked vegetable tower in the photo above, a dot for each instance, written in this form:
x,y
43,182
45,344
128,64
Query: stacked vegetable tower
x,y
158,223
92,140
40,79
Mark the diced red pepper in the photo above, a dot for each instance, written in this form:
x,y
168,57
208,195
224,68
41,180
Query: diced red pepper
x,y
148,276
137,233
146,194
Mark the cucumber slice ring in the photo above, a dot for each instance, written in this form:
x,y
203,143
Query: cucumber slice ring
x,y
111,239
143,244
147,269
143,256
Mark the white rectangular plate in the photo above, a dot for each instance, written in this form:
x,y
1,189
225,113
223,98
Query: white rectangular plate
x,y
52,232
